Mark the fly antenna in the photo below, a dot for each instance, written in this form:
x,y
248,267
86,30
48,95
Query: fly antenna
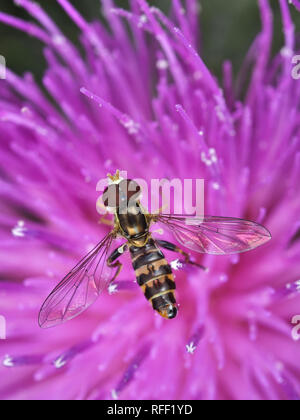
x,y
114,178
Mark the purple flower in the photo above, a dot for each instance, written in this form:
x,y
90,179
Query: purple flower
x,y
163,115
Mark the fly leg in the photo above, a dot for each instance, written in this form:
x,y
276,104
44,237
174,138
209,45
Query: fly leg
x,y
113,263
174,248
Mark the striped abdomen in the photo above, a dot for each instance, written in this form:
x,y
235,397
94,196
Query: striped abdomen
x,y
155,277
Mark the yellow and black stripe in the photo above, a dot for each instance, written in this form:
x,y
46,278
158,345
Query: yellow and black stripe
x,y
155,277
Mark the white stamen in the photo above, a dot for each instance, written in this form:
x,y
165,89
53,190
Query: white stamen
x,y
190,348
58,39
162,64
131,126
114,394
213,155
59,363
216,186
143,19
112,289
19,230
8,361
176,265
205,160
286,52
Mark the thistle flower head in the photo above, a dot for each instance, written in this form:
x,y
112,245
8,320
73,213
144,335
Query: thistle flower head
x,y
145,101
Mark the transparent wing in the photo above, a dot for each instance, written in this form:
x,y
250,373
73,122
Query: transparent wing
x,y
215,235
80,288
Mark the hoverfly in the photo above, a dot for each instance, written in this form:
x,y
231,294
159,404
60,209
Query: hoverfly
x,y
100,268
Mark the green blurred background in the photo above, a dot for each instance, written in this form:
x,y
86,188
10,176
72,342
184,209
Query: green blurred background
x,y
228,28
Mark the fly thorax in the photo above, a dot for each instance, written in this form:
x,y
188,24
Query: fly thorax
x,y
133,222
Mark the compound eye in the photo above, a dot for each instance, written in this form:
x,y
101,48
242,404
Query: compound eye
x,y
129,191
111,196
118,195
